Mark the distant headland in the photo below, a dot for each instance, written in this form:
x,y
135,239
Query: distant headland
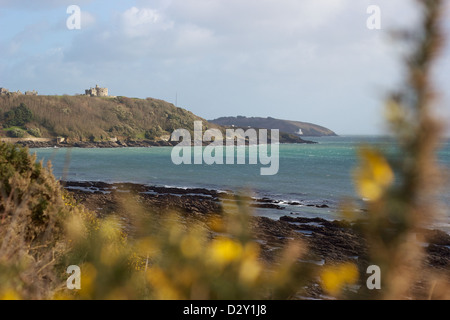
x,y
298,128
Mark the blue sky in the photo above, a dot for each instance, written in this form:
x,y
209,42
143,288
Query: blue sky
x,y
309,60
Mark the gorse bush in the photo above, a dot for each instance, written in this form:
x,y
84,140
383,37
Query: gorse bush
x,y
16,133
32,215
402,190
174,256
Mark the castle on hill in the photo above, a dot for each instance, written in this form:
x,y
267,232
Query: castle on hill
x,y
92,92
97,92
6,92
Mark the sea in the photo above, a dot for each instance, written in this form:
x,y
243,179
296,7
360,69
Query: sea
x,y
312,179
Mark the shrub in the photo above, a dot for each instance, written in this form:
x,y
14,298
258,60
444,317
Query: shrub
x,y
35,132
16,133
18,116
32,208
153,133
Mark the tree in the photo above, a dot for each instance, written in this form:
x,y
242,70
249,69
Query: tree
x,y
18,116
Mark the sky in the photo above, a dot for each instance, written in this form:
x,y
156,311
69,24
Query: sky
x,y
306,60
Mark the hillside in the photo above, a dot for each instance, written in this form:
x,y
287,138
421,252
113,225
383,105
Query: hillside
x,y
97,121
82,118
288,126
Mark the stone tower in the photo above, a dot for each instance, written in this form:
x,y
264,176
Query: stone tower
x,y
97,92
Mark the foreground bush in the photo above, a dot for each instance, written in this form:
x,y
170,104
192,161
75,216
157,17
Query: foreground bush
x,y
32,211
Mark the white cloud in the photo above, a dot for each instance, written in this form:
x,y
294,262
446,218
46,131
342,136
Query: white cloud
x,y
88,20
193,37
41,4
138,22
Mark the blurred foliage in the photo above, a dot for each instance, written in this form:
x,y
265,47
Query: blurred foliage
x,y
401,190
177,257
336,277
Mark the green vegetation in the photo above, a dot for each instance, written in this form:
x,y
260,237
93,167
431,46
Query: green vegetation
x,y
15,132
18,116
14,122
35,132
153,133
81,118
32,215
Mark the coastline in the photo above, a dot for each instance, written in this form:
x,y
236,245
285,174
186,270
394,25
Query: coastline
x,y
327,242
100,144
128,143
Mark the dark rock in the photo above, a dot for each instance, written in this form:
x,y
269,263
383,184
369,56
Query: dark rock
x,y
438,256
438,237
302,219
266,205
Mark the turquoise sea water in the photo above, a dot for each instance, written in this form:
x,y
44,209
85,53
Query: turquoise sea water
x,y
308,173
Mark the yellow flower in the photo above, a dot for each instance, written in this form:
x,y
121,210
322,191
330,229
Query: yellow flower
x,y
63,296
334,278
161,285
224,251
88,277
9,294
373,176
250,268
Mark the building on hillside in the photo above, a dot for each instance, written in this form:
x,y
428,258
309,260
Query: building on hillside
x,y
97,92
17,93
6,92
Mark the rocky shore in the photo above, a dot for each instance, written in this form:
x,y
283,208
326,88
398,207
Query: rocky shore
x,y
328,242
125,143
100,144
